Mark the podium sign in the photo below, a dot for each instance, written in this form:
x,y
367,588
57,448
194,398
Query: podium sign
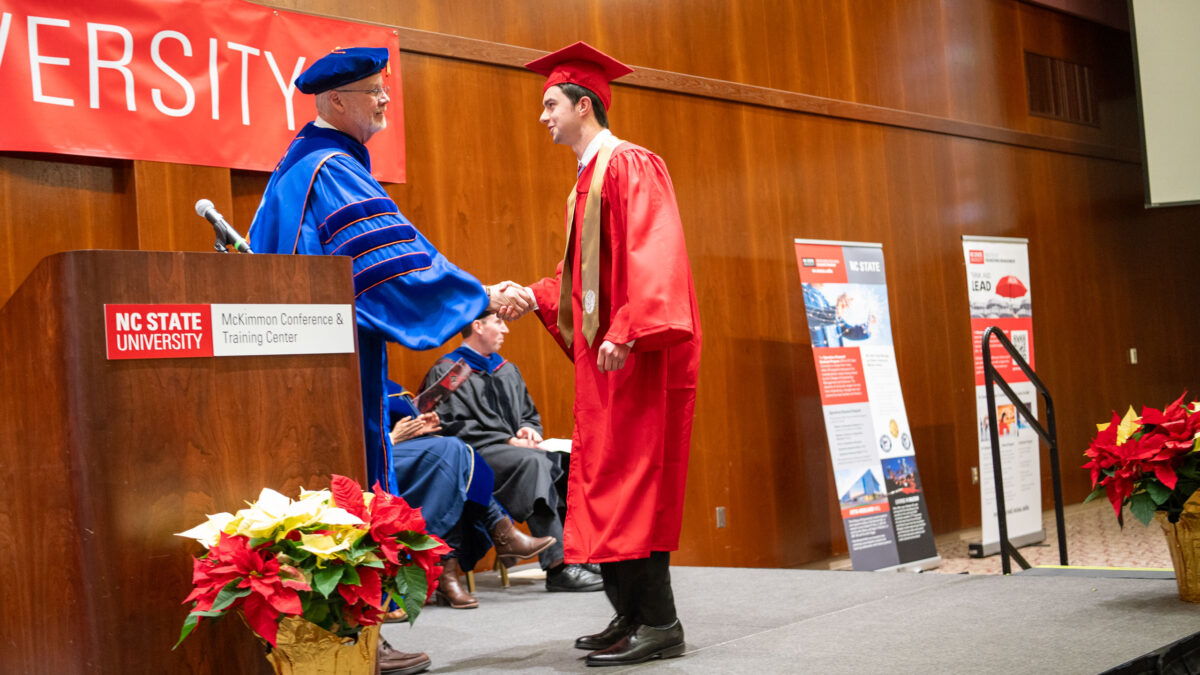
x,y
191,331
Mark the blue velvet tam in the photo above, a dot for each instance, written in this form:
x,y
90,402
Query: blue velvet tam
x,y
340,67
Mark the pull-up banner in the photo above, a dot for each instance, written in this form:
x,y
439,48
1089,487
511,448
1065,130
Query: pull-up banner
x,y
208,82
998,288
874,465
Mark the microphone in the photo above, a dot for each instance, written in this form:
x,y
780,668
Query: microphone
x,y
226,235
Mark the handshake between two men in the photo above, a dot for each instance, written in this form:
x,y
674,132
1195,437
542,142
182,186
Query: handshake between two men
x,y
511,301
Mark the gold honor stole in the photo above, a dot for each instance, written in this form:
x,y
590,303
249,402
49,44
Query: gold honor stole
x,y
589,260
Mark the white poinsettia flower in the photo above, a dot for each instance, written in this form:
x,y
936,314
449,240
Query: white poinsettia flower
x,y
209,532
338,516
305,511
264,515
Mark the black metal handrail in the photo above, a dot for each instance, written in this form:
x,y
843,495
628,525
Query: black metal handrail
x,y
991,378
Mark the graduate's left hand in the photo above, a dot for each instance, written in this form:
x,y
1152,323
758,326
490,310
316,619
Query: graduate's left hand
x,y
612,356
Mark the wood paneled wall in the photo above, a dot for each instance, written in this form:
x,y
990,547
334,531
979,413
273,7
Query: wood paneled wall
x,y
896,121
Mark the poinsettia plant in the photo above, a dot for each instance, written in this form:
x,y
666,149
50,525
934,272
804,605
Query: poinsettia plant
x,y
334,557
1150,462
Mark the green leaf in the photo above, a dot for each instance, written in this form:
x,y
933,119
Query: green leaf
x,y
417,541
412,607
228,594
1142,506
189,624
415,587
225,598
255,542
1158,492
350,576
292,550
317,612
325,579
1099,491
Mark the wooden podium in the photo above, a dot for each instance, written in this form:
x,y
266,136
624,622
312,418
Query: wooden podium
x,y
105,460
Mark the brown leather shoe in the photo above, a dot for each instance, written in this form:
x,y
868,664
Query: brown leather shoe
x,y
388,661
513,544
450,591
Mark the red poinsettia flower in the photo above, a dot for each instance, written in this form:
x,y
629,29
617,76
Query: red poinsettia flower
x,y
348,495
1138,455
271,594
364,602
391,516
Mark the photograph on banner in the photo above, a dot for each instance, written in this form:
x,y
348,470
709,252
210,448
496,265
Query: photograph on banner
x,y
999,295
849,322
866,516
1020,453
844,315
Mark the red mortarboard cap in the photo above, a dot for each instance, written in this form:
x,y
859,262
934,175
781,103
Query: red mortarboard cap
x,y
581,64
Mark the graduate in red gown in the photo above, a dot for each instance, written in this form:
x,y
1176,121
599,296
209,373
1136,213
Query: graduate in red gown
x,y
623,307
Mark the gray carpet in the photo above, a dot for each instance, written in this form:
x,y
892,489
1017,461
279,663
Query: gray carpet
x,y
791,621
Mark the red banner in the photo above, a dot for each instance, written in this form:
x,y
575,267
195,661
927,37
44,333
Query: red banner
x,y
206,82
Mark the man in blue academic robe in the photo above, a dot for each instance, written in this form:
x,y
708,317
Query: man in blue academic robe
x,y
322,200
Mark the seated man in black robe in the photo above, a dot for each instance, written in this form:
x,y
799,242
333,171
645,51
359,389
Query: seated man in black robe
x,y
493,413
452,485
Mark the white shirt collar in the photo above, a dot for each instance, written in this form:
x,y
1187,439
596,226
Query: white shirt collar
x,y
594,147
320,121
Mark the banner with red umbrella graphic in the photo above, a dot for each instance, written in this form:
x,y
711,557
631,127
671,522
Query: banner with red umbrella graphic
x,y
998,288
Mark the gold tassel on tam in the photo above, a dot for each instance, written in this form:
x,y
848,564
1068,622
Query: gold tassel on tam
x,y
304,648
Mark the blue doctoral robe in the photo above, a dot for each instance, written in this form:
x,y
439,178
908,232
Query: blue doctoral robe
x,y
322,200
446,479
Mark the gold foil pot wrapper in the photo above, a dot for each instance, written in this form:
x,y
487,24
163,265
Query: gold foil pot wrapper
x,y
1183,539
304,648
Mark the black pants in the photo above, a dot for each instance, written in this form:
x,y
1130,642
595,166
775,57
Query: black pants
x,y
641,589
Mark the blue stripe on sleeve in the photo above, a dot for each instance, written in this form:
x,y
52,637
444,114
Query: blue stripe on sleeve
x,y
380,272
378,238
352,213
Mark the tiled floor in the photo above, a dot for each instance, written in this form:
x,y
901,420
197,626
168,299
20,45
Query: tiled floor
x,y
1093,540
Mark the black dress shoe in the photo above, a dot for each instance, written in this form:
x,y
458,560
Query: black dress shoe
x,y
618,628
573,578
594,568
643,644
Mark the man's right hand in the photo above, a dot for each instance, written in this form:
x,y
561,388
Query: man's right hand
x,y
522,442
510,301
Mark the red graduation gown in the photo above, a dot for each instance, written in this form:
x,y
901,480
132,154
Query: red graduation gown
x,y
632,426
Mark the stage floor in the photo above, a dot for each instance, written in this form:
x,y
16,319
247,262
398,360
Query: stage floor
x,y
786,621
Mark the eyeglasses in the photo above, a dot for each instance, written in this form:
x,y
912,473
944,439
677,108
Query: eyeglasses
x,y
376,92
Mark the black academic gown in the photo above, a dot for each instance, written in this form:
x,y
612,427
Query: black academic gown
x,y
485,411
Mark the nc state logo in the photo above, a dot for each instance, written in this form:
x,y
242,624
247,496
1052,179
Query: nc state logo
x,y
589,302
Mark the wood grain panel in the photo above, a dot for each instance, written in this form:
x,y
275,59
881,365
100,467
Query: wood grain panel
x,y
166,195
953,78
50,204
